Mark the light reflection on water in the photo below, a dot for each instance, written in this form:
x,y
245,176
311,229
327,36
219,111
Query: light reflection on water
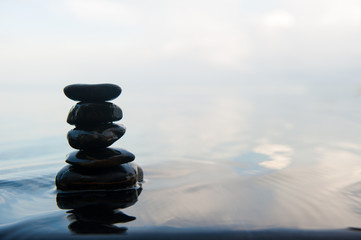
x,y
213,157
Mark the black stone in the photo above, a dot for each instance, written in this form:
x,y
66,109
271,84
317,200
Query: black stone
x,y
99,214
87,114
79,227
95,137
91,199
102,158
120,177
92,92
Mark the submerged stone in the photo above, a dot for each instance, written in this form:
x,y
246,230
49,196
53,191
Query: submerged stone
x,y
99,214
85,114
120,177
102,158
91,199
80,227
95,137
92,92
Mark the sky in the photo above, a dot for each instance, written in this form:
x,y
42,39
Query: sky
x,y
181,63
54,43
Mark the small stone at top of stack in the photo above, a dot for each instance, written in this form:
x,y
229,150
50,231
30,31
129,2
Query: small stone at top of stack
x,y
92,92
94,165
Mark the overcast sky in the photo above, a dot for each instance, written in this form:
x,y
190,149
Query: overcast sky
x,y
60,42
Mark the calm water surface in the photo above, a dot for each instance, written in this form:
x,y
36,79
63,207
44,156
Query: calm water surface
x,y
232,157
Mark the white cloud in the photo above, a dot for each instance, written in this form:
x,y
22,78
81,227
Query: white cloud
x,y
108,11
280,155
346,15
184,36
279,19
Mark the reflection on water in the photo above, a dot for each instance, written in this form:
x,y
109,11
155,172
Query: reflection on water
x,y
280,155
97,211
234,157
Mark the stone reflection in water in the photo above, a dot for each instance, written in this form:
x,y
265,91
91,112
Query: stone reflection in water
x,y
99,180
98,211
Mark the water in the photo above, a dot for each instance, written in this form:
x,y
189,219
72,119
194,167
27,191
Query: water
x,y
232,159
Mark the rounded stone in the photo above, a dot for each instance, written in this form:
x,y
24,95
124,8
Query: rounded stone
x,y
95,137
102,158
90,199
120,177
99,214
87,114
92,92
80,227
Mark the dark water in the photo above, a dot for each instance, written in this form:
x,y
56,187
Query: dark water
x,y
239,161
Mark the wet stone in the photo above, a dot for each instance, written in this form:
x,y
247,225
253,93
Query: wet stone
x,y
99,214
80,227
91,199
120,177
95,137
87,114
102,158
92,92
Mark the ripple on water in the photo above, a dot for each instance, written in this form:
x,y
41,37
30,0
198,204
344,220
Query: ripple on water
x,y
208,193
26,197
27,186
187,192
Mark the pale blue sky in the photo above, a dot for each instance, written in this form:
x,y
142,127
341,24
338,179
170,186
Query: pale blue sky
x,y
61,42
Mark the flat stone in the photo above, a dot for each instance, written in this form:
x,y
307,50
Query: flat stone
x,y
91,199
85,114
92,92
120,177
102,158
99,214
79,227
95,137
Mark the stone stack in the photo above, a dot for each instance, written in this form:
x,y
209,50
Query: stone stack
x,y
96,166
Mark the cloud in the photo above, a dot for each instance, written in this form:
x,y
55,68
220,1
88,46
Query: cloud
x,y
269,40
106,11
278,19
346,15
280,155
